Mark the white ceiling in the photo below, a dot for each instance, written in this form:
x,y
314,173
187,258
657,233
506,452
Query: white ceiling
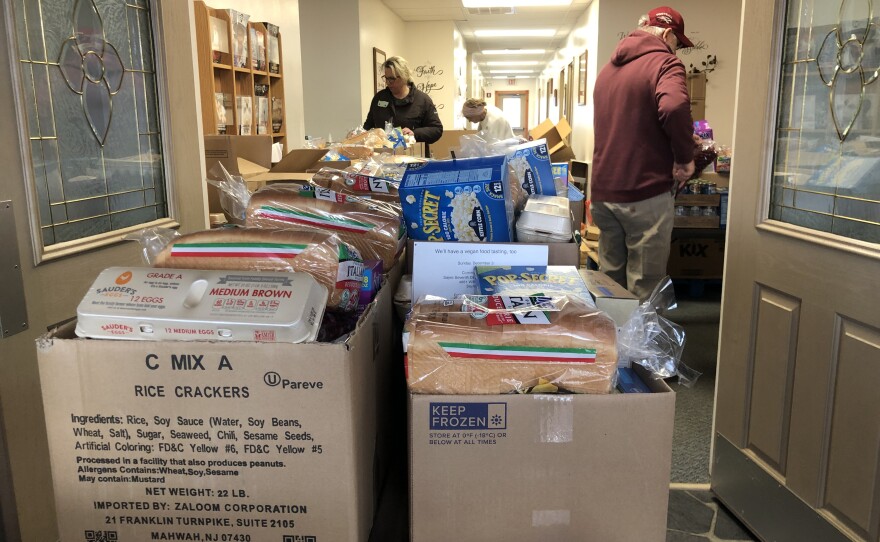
x,y
560,18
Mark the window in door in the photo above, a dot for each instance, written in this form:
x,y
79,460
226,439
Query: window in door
x,y
88,89
826,173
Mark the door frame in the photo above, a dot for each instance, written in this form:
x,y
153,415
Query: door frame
x,y
524,110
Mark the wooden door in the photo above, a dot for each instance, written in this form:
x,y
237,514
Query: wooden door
x,y
796,451
515,104
53,282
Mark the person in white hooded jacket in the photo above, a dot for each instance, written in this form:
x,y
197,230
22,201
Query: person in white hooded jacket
x,y
492,123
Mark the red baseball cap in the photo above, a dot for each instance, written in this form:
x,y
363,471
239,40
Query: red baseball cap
x,y
666,17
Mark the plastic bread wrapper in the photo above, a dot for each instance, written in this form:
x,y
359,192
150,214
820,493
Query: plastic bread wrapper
x,y
365,181
371,227
498,345
334,264
654,342
234,193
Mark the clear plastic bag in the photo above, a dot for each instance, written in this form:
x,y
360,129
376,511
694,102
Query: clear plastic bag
x,y
654,342
234,193
152,241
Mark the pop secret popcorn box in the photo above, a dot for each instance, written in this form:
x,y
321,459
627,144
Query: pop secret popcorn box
x,y
457,200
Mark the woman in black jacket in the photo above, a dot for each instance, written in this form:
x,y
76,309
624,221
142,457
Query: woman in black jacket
x,y
404,105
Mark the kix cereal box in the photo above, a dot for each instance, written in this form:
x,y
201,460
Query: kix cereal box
x,y
457,200
528,280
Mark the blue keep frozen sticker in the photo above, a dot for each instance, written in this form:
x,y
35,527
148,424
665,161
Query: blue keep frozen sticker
x,y
467,416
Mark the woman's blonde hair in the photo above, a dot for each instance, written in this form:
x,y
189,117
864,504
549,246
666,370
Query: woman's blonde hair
x,y
398,67
474,102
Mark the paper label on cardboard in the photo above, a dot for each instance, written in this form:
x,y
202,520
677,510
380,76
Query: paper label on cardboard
x,y
201,442
447,269
466,424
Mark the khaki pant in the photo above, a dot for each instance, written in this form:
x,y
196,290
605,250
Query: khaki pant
x,y
635,239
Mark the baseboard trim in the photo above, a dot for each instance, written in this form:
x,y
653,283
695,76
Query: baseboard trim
x,y
770,510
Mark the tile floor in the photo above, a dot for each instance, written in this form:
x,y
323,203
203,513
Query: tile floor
x,y
695,515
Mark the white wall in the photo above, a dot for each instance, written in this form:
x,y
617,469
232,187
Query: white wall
x,y
285,14
582,38
383,29
331,67
714,29
460,64
430,54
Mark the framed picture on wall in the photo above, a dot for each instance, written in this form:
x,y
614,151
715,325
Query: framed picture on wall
x,y
549,93
569,91
378,70
582,79
561,90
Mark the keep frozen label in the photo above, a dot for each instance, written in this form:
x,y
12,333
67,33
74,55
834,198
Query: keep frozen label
x,y
467,416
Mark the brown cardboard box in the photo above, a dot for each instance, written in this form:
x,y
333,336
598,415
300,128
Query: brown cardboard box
x,y
556,136
267,440
541,467
610,297
246,156
450,140
696,256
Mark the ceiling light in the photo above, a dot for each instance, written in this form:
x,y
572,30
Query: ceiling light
x,y
512,52
522,33
512,63
513,3
511,71
511,77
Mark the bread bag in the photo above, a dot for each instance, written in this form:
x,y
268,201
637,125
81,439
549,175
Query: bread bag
x,y
371,227
334,264
487,347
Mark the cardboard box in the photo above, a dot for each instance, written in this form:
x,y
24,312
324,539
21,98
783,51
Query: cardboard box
x,y
578,173
541,467
246,156
556,136
696,257
449,141
267,440
610,297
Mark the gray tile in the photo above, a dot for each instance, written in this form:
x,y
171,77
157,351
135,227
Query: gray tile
x,y
703,496
728,527
688,514
678,536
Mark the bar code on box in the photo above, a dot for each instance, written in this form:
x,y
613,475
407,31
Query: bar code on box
x,y
101,536
299,538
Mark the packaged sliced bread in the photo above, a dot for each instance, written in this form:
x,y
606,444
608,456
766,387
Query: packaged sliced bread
x,y
373,228
333,263
496,344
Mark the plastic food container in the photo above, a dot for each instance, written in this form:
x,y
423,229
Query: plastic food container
x,y
545,219
189,305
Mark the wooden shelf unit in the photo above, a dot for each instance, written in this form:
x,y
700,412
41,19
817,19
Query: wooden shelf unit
x,y
218,74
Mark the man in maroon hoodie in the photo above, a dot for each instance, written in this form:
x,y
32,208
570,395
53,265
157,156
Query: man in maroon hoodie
x,y
643,150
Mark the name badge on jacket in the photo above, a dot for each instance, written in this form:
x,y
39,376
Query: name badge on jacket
x,y
382,103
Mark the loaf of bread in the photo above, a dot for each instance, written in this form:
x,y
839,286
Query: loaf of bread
x,y
370,227
334,264
355,184
452,349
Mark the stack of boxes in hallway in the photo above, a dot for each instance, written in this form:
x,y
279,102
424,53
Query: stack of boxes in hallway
x,y
154,398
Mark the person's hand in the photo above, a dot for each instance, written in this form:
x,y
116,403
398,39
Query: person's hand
x,y
407,131
682,172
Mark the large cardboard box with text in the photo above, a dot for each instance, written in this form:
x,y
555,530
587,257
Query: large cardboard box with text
x,y
209,440
541,467
696,256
